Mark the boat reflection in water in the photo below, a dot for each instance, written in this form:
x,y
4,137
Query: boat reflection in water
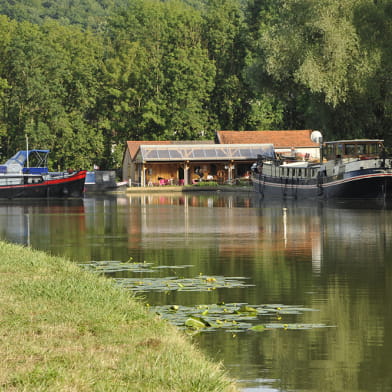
x,y
41,222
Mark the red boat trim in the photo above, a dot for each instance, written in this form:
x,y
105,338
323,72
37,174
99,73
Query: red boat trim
x,y
77,176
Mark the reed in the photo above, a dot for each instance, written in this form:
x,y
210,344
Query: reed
x,y
64,329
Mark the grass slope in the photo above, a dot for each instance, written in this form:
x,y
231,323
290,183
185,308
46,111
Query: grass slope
x,y
63,329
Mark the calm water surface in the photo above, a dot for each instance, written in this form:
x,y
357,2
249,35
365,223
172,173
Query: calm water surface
x,y
335,258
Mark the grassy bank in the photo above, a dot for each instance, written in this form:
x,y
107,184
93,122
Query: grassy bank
x,y
63,329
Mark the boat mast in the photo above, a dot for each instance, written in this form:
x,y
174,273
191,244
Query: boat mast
x,y
27,150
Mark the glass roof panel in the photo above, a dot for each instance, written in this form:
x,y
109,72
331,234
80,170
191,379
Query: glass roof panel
x,y
235,152
220,153
163,154
150,154
174,154
245,152
203,152
199,153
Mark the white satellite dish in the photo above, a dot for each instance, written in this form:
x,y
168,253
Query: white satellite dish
x,y
316,137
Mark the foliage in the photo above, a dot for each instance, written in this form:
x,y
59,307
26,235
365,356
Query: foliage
x,y
223,36
83,77
51,88
335,53
164,88
205,183
86,13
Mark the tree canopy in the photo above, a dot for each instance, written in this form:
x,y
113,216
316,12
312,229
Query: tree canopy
x,y
83,77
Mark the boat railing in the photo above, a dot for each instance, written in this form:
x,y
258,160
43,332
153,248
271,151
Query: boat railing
x,y
283,169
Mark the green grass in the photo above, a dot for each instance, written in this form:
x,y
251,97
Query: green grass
x,y
64,329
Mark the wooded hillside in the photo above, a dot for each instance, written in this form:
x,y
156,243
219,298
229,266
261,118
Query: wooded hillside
x,y
81,77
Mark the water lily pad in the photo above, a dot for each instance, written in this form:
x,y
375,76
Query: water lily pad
x,y
246,309
196,323
110,266
228,317
173,266
173,283
231,317
298,326
258,328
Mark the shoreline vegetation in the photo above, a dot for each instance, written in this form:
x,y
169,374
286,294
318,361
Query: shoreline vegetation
x,y
64,329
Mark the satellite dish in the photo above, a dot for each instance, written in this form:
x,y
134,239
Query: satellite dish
x,y
316,137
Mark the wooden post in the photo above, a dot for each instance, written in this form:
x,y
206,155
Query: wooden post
x,y
143,175
186,173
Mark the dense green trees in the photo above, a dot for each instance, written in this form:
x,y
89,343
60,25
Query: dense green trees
x,y
50,86
82,77
335,58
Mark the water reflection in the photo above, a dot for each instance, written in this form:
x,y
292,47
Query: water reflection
x,y
335,258
41,223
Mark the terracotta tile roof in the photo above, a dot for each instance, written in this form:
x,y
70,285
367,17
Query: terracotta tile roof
x,y
133,146
280,139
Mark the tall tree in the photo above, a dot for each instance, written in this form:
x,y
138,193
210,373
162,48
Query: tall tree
x,y
51,89
318,48
158,76
225,40
269,102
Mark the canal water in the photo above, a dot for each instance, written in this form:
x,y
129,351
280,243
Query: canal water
x,y
317,278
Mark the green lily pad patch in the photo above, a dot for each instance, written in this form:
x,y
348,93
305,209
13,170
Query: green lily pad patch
x,y
231,317
199,283
292,326
110,266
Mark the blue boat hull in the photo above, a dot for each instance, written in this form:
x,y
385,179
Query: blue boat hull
x,y
361,186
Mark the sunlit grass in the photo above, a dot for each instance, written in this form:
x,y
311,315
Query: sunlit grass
x,y
64,329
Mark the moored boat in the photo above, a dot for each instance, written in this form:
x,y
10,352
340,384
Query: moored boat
x,y
19,179
346,169
103,181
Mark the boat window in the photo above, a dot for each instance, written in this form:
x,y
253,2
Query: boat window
x,y
299,172
329,151
350,149
11,181
372,148
339,150
34,180
361,149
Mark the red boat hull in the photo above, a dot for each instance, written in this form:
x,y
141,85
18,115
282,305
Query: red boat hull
x,y
55,186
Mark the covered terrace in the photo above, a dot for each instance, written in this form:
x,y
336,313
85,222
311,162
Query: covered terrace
x,y
183,164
